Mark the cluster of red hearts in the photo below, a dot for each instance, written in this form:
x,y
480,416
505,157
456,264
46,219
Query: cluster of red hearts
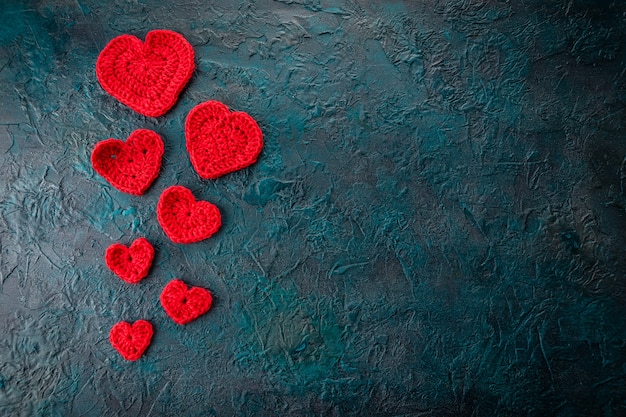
x,y
148,77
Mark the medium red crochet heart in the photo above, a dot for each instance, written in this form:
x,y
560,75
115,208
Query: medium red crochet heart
x,y
219,141
130,264
147,77
184,304
129,166
131,341
185,220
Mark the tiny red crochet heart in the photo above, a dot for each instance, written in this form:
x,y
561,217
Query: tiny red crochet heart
x,y
131,341
184,304
147,77
132,263
220,141
185,220
129,166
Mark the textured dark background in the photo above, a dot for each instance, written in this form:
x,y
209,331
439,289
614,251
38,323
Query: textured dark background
x,y
436,225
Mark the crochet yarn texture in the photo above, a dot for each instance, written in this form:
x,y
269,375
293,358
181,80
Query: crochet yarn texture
x,y
185,220
184,304
220,141
129,166
132,263
147,77
131,341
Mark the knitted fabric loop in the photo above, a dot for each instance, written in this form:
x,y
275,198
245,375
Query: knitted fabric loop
x,y
132,263
130,166
131,341
185,220
184,304
220,141
147,77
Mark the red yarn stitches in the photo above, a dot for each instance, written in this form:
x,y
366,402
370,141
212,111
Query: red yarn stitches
x,y
130,264
147,77
132,166
185,220
131,341
219,141
184,305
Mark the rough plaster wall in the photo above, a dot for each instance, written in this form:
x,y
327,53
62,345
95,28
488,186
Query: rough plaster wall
x,y
435,226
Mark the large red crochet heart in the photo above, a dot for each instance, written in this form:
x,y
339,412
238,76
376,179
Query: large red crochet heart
x,y
185,220
184,304
131,341
130,264
131,166
147,77
219,141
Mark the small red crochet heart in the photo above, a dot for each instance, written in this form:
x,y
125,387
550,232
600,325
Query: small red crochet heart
x,y
219,141
184,304
129,166
131,341
147,77
130,264
185,220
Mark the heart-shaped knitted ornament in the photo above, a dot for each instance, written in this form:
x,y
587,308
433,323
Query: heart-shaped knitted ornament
x,y
185,220
129,166
131,341
220,141
132,263
184,304
147,77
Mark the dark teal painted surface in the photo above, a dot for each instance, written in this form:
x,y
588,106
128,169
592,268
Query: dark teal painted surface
x,y
436,225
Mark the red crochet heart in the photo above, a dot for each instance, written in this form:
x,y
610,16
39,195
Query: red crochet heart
x,y
185,220
131,341
147,77
132,166
184,304
130,264
219,141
